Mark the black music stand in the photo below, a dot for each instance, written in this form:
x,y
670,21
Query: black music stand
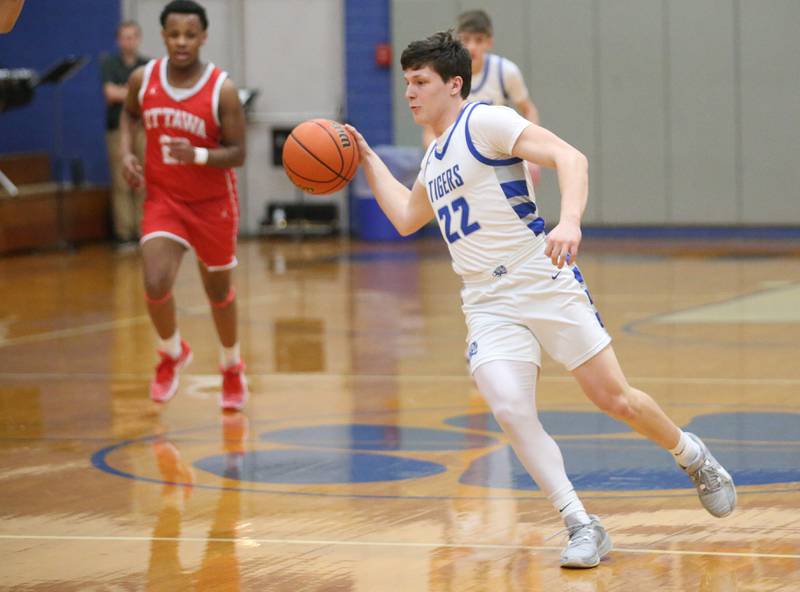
x,y
16,89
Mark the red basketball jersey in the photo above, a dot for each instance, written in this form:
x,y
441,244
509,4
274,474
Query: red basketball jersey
x,y
192,113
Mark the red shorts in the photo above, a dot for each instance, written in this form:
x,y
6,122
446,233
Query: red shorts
x,y
209,226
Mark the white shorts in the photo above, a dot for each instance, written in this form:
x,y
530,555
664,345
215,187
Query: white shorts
x,y
529,305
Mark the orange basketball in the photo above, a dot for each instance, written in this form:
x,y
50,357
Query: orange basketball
x,y
320,156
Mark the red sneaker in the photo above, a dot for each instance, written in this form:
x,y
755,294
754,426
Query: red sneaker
x,y
165,383
234,387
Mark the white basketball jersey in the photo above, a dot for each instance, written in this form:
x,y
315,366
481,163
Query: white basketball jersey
x,y
499,83
482,196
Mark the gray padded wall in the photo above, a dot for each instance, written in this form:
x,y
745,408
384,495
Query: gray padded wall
x,y
632,125
770,99
562,81
687,109
702,113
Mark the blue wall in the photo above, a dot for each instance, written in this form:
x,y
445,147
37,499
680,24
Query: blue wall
x,y
369,87
46,31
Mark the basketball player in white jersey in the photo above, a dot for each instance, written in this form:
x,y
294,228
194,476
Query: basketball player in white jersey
x,y
495,79
522,291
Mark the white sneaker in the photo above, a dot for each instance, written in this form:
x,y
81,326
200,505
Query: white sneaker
x,y
588,543
714,484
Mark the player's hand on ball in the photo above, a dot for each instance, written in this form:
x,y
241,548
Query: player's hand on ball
x,y
363,147
132,171
181,149
562,244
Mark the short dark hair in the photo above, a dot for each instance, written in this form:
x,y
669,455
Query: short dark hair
x,y
445,54
474,21
184,7
129,24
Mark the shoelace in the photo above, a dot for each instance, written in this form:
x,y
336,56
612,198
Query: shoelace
x,y
708,477
574,533
581,534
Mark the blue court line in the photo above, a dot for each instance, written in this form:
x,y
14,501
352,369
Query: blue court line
x,y
98,460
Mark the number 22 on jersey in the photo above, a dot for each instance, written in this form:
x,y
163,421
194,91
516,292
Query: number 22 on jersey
x,y
457,208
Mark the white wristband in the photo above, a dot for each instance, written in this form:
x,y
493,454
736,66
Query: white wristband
x,y
200,155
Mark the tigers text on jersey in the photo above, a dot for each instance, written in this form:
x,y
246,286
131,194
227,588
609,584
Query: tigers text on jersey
x,y
482,196
499,83
169,112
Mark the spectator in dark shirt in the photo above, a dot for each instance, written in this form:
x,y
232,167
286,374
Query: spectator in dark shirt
x,y
126,203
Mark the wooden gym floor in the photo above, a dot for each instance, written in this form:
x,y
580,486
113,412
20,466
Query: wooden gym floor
x,y
366,460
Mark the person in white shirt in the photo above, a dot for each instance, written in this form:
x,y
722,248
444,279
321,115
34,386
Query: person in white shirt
x,y
495,79
523,292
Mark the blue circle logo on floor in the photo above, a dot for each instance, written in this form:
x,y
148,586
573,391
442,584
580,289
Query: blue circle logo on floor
x,y
600,453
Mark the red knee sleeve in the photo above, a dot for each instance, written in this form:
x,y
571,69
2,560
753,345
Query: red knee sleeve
x,y
157,301
228,299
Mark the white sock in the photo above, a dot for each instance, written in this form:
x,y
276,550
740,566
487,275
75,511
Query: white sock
x,y
686,452
171,345
566,503
229,356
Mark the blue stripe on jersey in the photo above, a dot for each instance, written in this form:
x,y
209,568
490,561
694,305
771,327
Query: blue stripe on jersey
x,y
485,74
515,188
525,208
440,156
516,193
537,226
480,157
599,320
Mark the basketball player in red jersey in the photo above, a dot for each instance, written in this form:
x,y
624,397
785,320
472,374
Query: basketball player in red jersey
x,y
195,131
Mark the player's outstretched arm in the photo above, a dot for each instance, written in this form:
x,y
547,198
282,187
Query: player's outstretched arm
x,y
408,210
128,119
231,153
543,147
